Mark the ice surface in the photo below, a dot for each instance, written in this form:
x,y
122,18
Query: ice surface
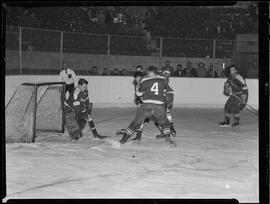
x,y
206,160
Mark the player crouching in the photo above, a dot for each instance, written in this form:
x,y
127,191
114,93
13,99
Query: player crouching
x,y
78,102
236,88
152,90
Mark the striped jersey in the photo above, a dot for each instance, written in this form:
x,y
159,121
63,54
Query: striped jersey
x,y
152,90
238,85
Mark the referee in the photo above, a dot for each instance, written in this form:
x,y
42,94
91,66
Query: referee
x,y
68,76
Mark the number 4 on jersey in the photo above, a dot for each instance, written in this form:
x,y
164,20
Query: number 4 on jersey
x,y
154,88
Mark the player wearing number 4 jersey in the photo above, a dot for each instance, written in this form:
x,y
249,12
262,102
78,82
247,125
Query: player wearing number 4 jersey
x,y
152,90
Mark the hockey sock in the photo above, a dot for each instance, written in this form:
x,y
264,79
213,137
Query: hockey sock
x,y
159,127
166,132
141,127
172,128
236,118
227,118
93,127
127,134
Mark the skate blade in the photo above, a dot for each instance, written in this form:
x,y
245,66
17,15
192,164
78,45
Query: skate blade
x,y
225,126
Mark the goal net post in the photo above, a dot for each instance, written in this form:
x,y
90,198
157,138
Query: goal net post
x,y
35,108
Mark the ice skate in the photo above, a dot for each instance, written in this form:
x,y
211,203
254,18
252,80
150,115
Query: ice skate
x,y
170,142
161,136
124,138
98,136
225,123
235,124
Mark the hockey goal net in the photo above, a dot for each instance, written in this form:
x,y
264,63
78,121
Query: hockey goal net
x,y
34,108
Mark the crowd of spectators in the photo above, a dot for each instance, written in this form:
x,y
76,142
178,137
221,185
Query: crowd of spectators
x,y
200,70
188,23
205,23
188,71
172,21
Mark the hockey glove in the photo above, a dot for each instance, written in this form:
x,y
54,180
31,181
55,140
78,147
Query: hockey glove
x,y
226,89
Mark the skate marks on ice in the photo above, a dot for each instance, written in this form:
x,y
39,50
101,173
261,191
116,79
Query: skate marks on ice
x,y
205,160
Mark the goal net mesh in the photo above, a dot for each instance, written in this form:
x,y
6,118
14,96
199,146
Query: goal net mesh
x,y
33,110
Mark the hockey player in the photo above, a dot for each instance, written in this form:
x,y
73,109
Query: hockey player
x,y
169,104
152,90
138,76
79,101
236,88
68,76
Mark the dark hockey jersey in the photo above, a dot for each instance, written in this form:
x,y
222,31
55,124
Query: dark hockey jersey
x,y
73,100
152,90
78,100
238,85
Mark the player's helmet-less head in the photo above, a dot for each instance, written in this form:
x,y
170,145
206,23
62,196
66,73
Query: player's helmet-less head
x,y
138,74
82,82
153,69
228,70
166,74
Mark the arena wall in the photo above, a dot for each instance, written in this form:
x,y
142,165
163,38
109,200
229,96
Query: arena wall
x,y
117,91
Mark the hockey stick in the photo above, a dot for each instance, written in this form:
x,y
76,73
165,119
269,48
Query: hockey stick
x,y
248,107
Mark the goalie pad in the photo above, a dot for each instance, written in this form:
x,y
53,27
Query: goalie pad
x,y
72,125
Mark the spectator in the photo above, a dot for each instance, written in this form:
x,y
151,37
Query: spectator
x,y
94,71
115,72
241,28
230,30
124,72
189,71
105,72
218,30
202,72
210,73
222,74
178,72
253,70
167,67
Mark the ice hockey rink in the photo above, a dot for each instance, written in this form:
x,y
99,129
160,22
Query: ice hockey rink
x,y
208,162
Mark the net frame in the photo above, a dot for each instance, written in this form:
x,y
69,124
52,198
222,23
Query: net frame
x,y
36,102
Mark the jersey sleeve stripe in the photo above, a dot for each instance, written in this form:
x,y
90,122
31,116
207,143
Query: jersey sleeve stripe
x,y
139,93
240,78
76,103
